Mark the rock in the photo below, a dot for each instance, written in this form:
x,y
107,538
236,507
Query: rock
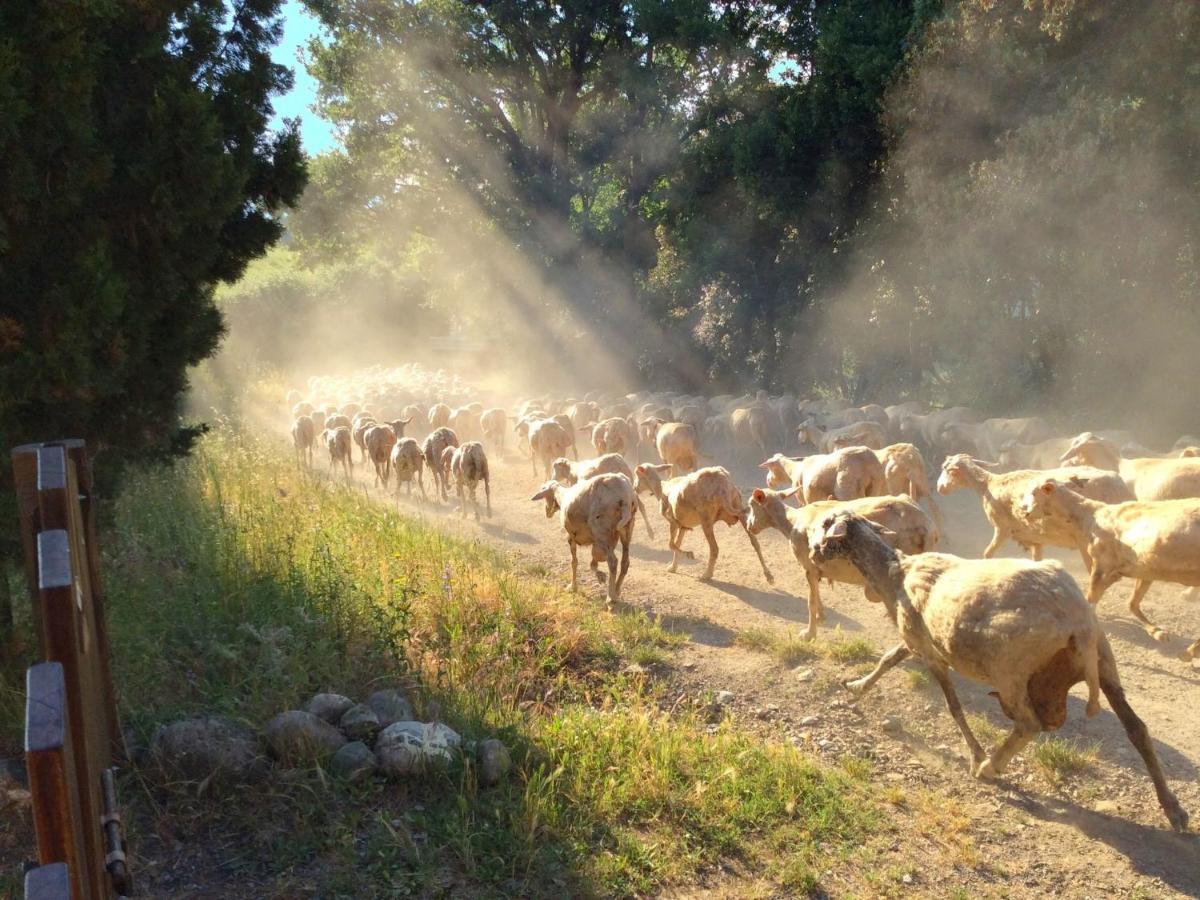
x,y
494,762
353,761
891,723
907,878
297,736
1107,806
723,698
804,675
635,669
390,707
810,720
208,746
329,707
359,723
410,748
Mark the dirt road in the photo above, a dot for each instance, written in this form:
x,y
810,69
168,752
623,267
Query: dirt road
x,y
1100,833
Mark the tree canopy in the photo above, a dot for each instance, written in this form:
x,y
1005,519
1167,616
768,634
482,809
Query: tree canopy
x,y
136,173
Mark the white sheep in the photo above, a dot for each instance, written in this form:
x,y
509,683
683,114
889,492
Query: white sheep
x,y
1146,540
1149,479
408,462
1021,627
565,472
845,474
596,512
910,529
434,450
304,433
702,499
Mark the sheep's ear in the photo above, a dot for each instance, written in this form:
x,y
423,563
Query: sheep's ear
x,y
837,529
1077,480
641,469
758,495
790,492
885,533
406,421
545,492
1047,487
990,466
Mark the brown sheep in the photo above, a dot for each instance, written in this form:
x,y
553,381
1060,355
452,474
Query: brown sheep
x,y
433,449
564,472
408,462
304,433
702,498
341,449
469,466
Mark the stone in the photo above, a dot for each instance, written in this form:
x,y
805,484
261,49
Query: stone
x,y
297,736
413,748
353,762
390,706
1107,806
359,723
14,781
208,747
723,698
810,720
891,723
804,675
329,707
494,762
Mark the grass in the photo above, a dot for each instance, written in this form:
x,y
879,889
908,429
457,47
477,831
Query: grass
x,y
240,587
1059,759
791,650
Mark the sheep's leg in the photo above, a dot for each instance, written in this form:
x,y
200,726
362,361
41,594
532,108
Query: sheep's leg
x,y
888,661
645,518
1193,651
626,537
997,539
815,611
713,550
613,584
943,679
1035,550
674,542
758,551
1086,557
1025,728
600,552
487,493
475,500
574,566
1140,587
1139,736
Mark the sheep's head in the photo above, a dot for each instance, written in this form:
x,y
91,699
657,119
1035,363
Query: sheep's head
x,y
835,535
648,479
1039,501
804,434
1088,449
561,470
767,508
777,476
398,426
955,473
549,493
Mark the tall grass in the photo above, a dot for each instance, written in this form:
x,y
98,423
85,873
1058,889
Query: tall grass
x,y
239,585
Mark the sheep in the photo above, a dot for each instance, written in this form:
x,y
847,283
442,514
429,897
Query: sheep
x,y
1149,479
493,423
406,462
568,426
985,438
302,409
362,424
341,448
905,472
379,441
842,475
1021,627
439,416
614,435
469,465
338,421
703,498
1147,540
1001,496
691,414
911,530
433,448
464,422
318,420
564,472
350,409
750,430
925,430
548,440
859,434
583,414
676,443
597,511
1041,455
303,434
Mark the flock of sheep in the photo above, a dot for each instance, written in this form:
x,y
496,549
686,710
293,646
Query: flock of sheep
x,y
858,510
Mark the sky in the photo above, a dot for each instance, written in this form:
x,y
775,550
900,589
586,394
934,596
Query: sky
x,y
298,26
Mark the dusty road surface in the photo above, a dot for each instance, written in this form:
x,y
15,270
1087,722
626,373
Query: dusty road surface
x,y
1100,833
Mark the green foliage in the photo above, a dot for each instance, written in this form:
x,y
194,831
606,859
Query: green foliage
x,y
137,173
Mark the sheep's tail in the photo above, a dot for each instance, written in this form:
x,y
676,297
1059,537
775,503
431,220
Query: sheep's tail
x,y
1091,670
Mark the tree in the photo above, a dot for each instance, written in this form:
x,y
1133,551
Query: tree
x,y
137,172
